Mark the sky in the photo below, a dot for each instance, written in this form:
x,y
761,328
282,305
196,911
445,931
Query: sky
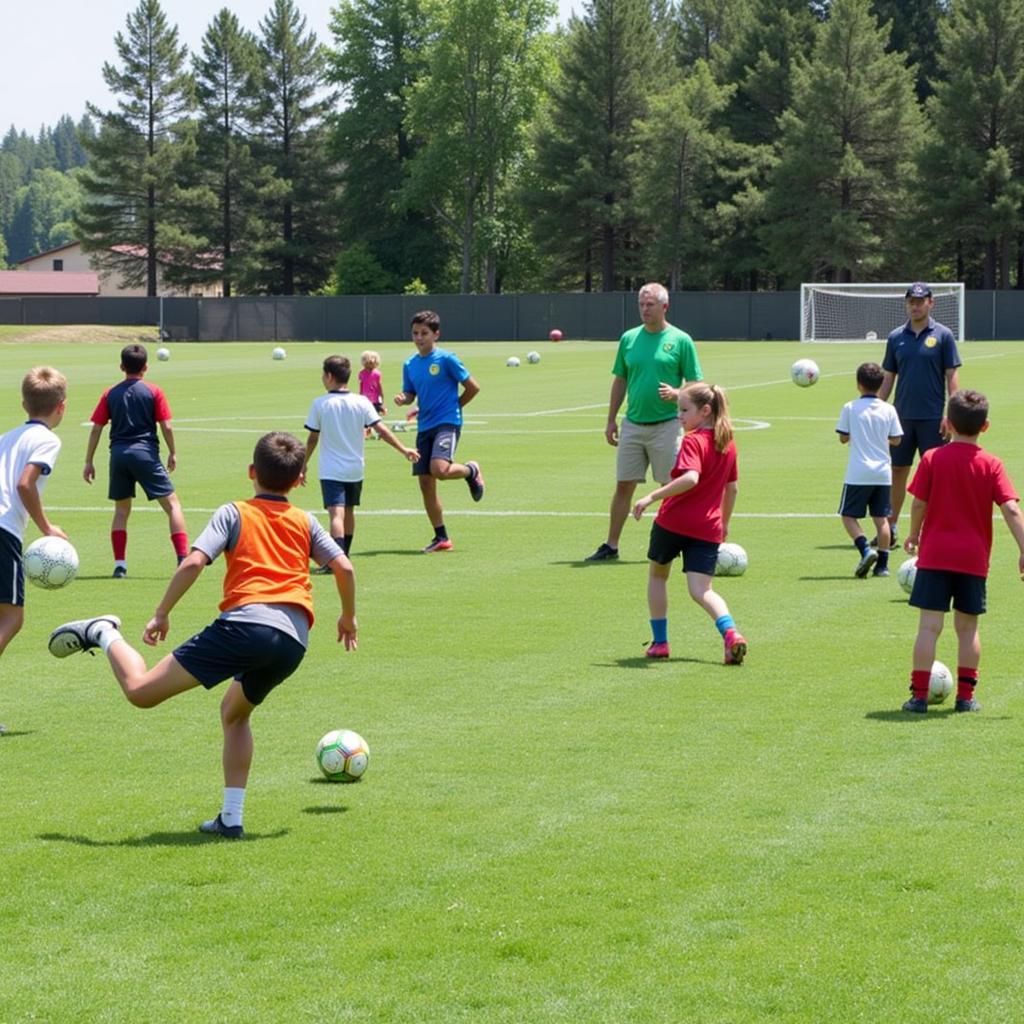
x,y
52,56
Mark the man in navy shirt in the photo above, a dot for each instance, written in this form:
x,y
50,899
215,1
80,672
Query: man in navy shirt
x,y
922,358
432,379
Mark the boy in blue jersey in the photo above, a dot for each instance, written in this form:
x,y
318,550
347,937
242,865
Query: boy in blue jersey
x,y
431,378
134,409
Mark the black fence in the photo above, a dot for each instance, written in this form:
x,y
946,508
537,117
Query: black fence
x,y
599,316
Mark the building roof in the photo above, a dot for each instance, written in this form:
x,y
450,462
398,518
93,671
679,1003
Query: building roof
x,y
48,252
48,282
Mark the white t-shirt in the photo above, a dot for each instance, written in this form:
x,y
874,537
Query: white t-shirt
x,y
33,443
870,422
340,417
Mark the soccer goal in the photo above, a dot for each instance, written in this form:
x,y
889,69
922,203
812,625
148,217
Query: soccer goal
x,y
868,312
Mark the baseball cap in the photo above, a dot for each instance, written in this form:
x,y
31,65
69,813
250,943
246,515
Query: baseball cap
x,y
919,290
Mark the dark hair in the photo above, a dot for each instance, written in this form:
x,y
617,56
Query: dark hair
x,y
870,376
278,460
338,367
428,318
967,412
134,358
702,394
42,389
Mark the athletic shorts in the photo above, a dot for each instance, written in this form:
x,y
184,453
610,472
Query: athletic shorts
x,y
259,657
341,492
436,443
698,555
857,499
934,589
918,436
128,468
647,444
12,570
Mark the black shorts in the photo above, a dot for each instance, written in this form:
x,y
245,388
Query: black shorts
x,y
12,570
934,589
918,436
131,467
698,555
259,657
857,499
436,443
341,492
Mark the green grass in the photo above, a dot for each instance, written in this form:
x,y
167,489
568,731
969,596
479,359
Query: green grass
x,y
551,829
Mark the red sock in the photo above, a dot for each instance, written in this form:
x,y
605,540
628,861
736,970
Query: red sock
x,y
180,542
919,680
119,542
966,680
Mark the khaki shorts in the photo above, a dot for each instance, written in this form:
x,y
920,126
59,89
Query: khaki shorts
x,y
647,444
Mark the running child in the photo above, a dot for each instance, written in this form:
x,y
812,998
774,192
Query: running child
x,y
371,385
694,517
261,635
954,489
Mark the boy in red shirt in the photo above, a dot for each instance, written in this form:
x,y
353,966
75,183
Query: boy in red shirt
x,y
954,490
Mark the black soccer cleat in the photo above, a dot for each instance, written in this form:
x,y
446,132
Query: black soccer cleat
x,y
475,480
604,553
216,827
916,705
866,563
120,572
966,705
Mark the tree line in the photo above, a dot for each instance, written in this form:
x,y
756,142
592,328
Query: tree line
x,y
468,145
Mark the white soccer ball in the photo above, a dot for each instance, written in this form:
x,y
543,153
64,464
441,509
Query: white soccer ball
x,y
163,354
512,361
871,336
278,353
805,372
732,560
533,357
343,755
906,574
50,562
940,685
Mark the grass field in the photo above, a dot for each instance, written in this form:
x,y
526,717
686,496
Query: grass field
x,y
551,829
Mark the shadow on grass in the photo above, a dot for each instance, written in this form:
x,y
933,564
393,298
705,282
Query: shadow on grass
x,y
933,715
195,838
326,809
582,563
11,733
848,576
642,661
397,551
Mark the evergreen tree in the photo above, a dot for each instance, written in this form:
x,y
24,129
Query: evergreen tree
x,y
914,32
706,28
44,212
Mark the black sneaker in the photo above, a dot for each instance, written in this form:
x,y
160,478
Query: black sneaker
x,y
475,480
865,564
604,553
894,544
966,705
120,572
80,635
216,827
918,705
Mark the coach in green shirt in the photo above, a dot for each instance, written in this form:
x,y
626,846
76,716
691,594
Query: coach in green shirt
x,y
654,360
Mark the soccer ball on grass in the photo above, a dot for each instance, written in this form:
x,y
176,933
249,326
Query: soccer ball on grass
x,y
906,574
343,755
50,562
278,353
732,560
555,335
163,354
940,685
533,357
805,372
512,361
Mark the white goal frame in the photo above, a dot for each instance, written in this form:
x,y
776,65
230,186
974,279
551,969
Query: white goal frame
x,y
871,309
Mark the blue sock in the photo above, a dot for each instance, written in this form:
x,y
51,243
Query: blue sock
x,y
724,623
659,629
862,544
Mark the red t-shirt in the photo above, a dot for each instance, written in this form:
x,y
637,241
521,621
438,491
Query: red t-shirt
x,y
698,512
961,482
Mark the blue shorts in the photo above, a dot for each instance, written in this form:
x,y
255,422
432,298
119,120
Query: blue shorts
x,y
934,589
857,499
436,443
918,436
12,570
341,492
259,657
131,467
698,555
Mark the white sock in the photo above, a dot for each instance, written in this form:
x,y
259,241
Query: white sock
x,y
107,636
234,802
120,563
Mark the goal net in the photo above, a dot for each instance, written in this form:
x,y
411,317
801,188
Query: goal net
x,y
869,312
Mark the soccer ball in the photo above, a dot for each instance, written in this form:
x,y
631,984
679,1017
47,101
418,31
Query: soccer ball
x,y
50,562
805,372
871,336
163,354
278,353
732,560
533,357
512,361
940,685
555,335
343,755
906,574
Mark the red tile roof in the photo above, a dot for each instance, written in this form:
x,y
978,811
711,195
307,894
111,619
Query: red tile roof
x,y
48,282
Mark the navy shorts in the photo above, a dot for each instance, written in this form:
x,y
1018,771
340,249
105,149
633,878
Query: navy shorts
x,y
698,555
934,589
918,436
857,499
436,443
259,657
12,570
131,467
341,492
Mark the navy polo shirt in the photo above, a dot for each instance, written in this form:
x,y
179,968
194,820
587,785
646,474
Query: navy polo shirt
x,y
920,362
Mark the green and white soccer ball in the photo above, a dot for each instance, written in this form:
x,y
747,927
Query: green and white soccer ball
x,y
278,353
163,354
732,560
805,372
533,357
940,685
50,562
343,755
906,574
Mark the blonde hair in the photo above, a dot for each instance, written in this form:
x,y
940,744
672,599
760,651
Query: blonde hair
x,y
370,359
712,395
42,389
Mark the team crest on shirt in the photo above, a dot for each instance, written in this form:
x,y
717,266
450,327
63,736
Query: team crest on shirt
x,y
931,341
435,369
668,346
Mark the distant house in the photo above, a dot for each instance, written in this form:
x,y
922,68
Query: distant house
x,y
70,258
21,284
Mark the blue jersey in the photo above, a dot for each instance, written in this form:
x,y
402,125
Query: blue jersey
x,y
920,362
133,409
435,380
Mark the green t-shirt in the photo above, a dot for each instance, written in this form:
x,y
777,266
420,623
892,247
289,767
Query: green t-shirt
x,y
645,360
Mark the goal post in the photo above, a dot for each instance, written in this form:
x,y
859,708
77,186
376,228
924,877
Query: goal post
x,y
869,312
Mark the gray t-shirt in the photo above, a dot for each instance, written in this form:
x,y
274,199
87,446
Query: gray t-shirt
x,y
221,534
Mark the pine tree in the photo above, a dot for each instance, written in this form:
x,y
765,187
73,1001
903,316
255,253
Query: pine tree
x,y
914,32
